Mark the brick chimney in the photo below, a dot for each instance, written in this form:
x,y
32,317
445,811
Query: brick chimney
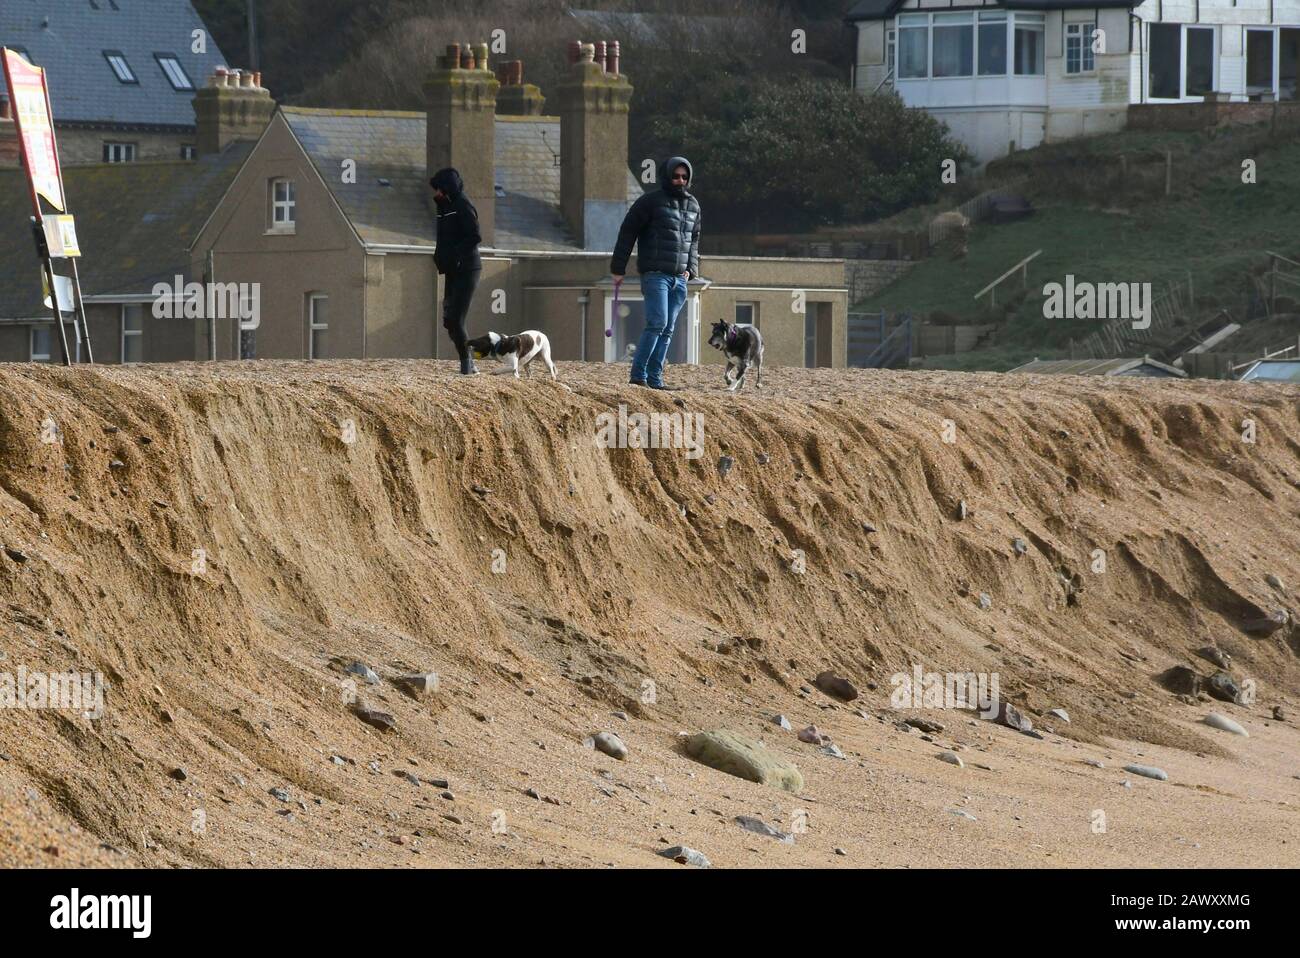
x,y
9,152
233,106
460,98
594,101
516,98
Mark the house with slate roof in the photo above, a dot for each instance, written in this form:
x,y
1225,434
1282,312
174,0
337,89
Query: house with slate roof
x,y
122,73
1011,74
332,217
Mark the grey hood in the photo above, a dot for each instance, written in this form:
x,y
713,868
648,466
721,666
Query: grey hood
x,y
666,178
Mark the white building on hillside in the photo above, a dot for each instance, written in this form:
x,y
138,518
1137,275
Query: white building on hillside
x,y
1011,74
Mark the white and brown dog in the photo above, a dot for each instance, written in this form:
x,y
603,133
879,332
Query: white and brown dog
x,y
516,351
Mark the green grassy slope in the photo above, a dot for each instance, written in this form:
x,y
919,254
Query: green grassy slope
x,y
1217,237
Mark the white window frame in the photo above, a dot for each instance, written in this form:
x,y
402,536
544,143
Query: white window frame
x,y
905,22
115,152
1080,32
688,323
130,333
753,311
991,17
945,20
891,51
1217,76
1214,57
117,62
1007,19
286,208
1029,20
189,151
175,72
1275,77
32,354
312,326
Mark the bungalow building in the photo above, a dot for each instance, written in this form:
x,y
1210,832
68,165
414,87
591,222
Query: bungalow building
x,y
1011,74
328,215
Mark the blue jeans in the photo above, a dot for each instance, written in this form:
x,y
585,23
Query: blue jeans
x,y
664,297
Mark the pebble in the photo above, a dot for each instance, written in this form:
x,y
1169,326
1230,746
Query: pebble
x,y
1062,714
610,744
1278,714
1095,763
280,794
1275,582
962,813
836,686
952,758
811,735
363,670
179,774
985,602
782,721
962,511
1217,656
1148,771
764,459
1019,546
760,827
840,851
380,720
686,856
924,724
1223,687
418,683
833,751
724,465
1225,724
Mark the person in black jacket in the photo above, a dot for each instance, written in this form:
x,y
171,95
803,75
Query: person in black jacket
x,y
456,256
665,226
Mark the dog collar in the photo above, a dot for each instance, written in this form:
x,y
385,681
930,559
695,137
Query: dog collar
x,y
731,335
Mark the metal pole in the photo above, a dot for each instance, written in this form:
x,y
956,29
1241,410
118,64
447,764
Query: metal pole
x,y
83,332
252,35
47,265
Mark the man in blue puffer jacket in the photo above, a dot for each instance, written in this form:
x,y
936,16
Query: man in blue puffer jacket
x,y
665,226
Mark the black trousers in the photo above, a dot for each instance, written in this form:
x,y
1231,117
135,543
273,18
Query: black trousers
x,y
457,294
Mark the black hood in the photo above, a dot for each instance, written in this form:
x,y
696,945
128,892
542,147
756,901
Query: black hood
x,y
666,174
448,180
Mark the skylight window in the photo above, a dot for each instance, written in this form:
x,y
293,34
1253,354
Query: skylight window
x,y
121,69
180,80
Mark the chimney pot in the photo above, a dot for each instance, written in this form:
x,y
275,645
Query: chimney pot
x,y
453,56
257,79
588,53
600,54
481,55
575,51
612,52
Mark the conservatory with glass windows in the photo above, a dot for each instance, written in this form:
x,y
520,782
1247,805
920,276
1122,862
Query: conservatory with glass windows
x,y
1010,74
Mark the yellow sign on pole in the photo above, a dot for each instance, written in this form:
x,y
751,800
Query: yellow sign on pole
x,y
61,236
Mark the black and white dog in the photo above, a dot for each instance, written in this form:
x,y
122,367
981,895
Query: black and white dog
x,y
743,346
516,351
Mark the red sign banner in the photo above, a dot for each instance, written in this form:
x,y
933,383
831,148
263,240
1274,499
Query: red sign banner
x,y
30,96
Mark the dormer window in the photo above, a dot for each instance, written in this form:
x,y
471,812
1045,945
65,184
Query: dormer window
x,y
176,75
121,69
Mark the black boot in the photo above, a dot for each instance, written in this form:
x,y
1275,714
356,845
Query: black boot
x,y
467,367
